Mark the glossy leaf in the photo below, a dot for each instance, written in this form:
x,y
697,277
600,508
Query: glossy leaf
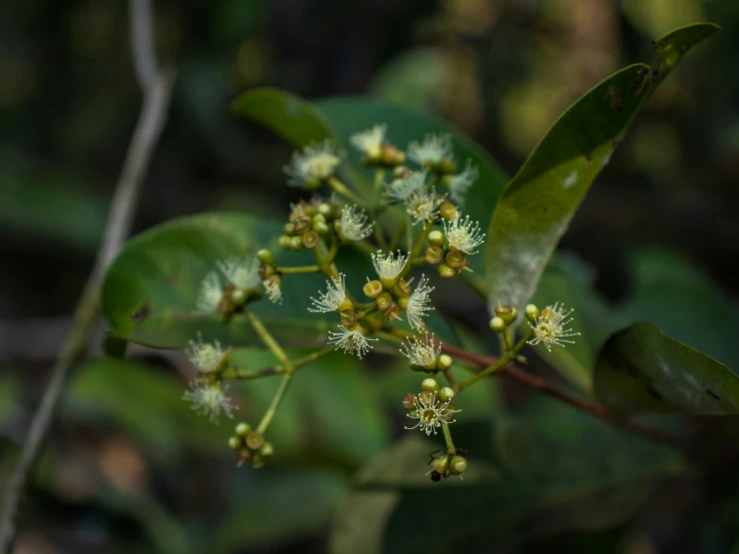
x,y
641,369
538,204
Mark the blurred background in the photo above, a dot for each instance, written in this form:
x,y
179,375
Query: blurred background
x,y
128,468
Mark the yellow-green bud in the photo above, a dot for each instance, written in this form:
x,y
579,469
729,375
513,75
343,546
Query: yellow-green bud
x,y
440,465
372,289
296,243
326,210
429,384
409,401
446,271
318,218
434,254
267,450
532,312
403,302
234,443
436,237
444,362
254,440
389,155
497,325
384,301
448,210
243,429
265,256
506,313
238,297
311,239
289,229
445,394
285,242
320,228
455,259
457,465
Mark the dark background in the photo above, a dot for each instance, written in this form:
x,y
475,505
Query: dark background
x,y
500,70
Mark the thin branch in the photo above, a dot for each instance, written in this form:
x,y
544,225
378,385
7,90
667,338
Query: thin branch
x,y
596,410
156,87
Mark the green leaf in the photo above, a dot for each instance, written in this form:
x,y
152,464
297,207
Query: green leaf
x,y
641,369
551,469
301,122
538,204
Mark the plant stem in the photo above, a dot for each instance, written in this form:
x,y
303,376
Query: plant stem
x,y
342,190
448,439
299,269
245,374
156,86
379,235
267,338
509,356
272,410
417,248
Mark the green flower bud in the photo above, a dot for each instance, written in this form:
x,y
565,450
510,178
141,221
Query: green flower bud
x,y
309,209
320,228
311,239
440,465
238,297
267,271
457,465
436,238
445,394
243,429
372,289
506,313
391,156
403,302
254,440
448,210
318,218
409,401
384,301
326,210
267,450
455,259
296,243
285,242
265,256
444,362
434,254
446,271
532,312
289,229
429,384
497,325
234,443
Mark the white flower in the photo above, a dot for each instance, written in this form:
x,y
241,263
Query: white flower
x,y
402,188
354,224
370,141
459,184
423,205
273,291
333,298
240,272
430,413
350,341
313,164
210,294
432,151
389,266
206,356
419,303
422,352
463,235
210,400
550,327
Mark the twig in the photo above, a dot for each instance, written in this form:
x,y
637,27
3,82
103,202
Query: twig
x,y
582,404
156,87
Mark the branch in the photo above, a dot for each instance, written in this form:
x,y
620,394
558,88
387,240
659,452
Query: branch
x,y
156,87
592,408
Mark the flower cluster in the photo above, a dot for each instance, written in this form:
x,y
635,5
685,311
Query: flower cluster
x,y
549,325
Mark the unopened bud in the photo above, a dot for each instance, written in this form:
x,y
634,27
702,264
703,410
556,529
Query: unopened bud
x,y
320,228
436,237
326,210
389,155
372,289
446,271
318,218
446,394
296,243
403,302
265,256
448,210
532,312
457,465
497,325
285,242
267,450
243,429
254,440
429,384
238,297
444,362
234,443
289,229
434,254
440,465
384,301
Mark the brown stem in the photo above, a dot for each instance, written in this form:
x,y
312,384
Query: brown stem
x,y
481,361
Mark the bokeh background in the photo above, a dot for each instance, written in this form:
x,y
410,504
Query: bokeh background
x,y
128,468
